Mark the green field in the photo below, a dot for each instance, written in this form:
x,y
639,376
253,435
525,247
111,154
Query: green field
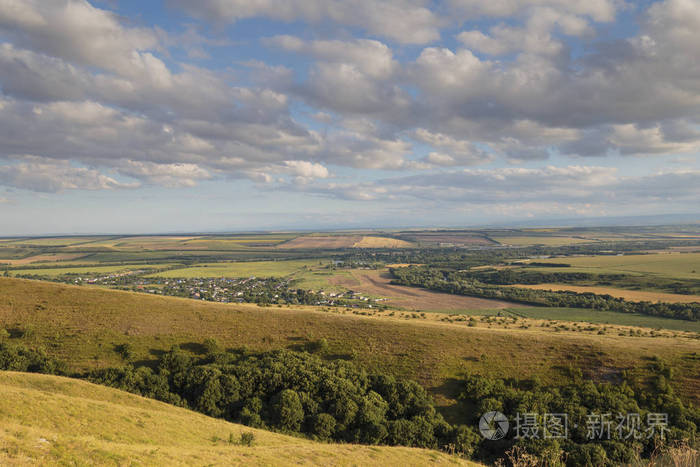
x,y
50,241
606,317
59,271
670,265
242,269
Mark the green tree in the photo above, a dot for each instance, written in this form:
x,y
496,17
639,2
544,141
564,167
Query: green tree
x,y
288,414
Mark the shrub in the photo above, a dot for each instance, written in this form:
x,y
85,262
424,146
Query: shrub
x,y
247,438
125,350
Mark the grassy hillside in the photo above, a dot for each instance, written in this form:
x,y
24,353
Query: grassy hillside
x,y
82,326
50,419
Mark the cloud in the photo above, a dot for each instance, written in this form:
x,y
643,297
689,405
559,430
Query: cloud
x,y
367,86
370,57
38,174
522,192
599,10
170,175
77,31
456,152
307,170
404,21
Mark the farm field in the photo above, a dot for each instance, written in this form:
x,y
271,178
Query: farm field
x,y
540,240
241,269
377,284
58,271
50,241
343,241
604,317
447,238
82,326
671,265
632,295
55,420
45,258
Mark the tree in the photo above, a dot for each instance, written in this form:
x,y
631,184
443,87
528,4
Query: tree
x,y
287,410
324,426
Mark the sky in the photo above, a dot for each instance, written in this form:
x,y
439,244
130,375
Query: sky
x,y
124,116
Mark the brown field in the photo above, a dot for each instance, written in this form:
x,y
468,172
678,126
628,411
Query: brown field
x,y
49,257
377,283
343,241
82,325
382,242
634,295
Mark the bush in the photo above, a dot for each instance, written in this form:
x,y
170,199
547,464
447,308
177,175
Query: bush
x,y
247,438
125,350
211,346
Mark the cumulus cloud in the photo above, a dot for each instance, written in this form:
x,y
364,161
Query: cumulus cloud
x,y
405,21
307,170
38,174
169,175
77,31
369,85
572,190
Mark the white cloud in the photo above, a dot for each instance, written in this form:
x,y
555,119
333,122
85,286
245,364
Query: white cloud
x,y
405,21
598,10
39,174
169,175
370,57
308,170
77,31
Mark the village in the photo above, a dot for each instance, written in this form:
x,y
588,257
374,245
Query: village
x,y
263,291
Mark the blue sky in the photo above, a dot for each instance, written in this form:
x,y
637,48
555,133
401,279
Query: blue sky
x,y
130,116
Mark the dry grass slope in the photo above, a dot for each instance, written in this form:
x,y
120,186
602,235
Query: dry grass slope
x,y
54,420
